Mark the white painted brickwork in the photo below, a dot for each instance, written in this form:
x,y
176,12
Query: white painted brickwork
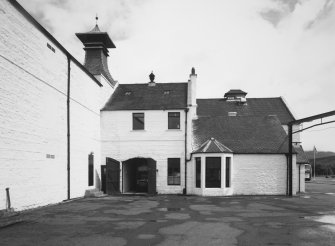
x,y
121,143
259,174
33,117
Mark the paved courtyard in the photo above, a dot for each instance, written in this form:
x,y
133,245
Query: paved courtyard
x,y
181,220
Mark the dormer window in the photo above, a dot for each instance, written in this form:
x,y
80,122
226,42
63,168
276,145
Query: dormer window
x,y
232,113
128,93
166,92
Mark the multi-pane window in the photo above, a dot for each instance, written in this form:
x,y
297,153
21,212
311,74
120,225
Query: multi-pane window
x,y
198,172
174,120
138,121
90,169
228,170
213,172
173,171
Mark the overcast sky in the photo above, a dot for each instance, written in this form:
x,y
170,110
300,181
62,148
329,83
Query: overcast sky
x,y
268,48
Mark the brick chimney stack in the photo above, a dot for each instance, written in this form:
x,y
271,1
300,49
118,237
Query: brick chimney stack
x,y
96,48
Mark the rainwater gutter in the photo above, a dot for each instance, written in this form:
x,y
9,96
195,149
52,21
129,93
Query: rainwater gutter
x,y
68,126
186,160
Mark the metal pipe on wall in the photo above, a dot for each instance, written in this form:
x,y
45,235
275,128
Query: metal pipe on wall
x,y
68,127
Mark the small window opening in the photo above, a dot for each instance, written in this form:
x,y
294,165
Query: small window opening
x,y
173,171
228,171
138,121
198,172
174,120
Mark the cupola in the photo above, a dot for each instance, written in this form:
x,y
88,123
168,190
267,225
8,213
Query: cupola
x,y
96,45
235,95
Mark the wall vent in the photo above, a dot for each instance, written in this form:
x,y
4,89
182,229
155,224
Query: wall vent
x,y
232,113
51,48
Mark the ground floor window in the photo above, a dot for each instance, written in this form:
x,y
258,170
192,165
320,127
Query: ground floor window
x,y
213,172
90,169
228,169
198,172
173,171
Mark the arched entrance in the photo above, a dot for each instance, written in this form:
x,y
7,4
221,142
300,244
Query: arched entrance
x,y
139,175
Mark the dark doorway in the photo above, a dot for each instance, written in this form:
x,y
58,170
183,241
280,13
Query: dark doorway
x,y
103,178
112,176
139,176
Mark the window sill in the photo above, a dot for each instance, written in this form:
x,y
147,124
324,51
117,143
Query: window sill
x,y
173,130
173,184
138,130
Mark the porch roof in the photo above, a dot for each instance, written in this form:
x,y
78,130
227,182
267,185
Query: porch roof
x,y
213,146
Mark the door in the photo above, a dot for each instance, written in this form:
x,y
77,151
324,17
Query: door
x,y
103,178
112,176
151,177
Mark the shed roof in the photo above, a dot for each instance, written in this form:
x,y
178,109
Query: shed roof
x,y
253,107
242,134
160,96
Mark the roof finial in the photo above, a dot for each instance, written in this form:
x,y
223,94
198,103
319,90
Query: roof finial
x,y
152,77
96,19
193,71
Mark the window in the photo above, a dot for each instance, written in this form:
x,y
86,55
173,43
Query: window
x,y
90,169
138,121
173,171
213,172
174,120
228,167
198,172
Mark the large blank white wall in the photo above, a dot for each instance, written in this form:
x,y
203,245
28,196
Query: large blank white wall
x,y
120,142
33,121
259,174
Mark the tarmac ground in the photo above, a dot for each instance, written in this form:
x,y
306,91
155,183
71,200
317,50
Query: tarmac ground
x,y
307,219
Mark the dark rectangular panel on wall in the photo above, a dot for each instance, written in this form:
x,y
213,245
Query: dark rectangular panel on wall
x,y
90,169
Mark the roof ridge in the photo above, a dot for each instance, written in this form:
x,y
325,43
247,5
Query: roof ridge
x,y
159,83
223,99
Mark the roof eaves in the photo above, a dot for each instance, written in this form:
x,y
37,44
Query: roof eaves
x,y
287,108
52,38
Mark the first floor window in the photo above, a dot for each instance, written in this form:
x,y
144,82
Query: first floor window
x,y
197,172
138,121
173,171
213,172
90,169
228,170
173,120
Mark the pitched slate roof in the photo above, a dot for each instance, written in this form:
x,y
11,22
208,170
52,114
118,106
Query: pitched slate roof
x,y
253,107
242,134
145,97
212,146
301,156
